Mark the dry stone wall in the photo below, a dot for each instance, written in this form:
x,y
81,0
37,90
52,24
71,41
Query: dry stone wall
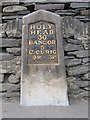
x,y
75,31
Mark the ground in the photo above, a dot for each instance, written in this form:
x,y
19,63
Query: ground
x,y
76,109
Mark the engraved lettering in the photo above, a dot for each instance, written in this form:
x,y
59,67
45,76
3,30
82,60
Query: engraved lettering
x,y
42,43
45,32
32,27
49,26
37,52
32,32
38,57
42,37
51,32
38,31
34,57
30,52
39,27
53,42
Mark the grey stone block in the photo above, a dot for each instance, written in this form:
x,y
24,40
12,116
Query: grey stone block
x,y
85,12
83,39
83,94
15,51
49,6
87,64
72,62
86,76
3,71
2,30
67,36
14,8
74,41
79,5
85,60
10,66
72,47
80,17
23,12
10,95
85,20
6,56
10,2
71,79
14,79
67,13
9,87
87,46
12,29
11,63
87,88
69,57
9,42
79,70
6,18
18,60
72,84
1,78
50,18
80,54
82,84
10,69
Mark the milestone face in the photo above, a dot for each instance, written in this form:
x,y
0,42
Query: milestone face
x,y
42,43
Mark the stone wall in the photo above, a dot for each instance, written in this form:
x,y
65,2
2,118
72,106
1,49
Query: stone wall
x,y
75,30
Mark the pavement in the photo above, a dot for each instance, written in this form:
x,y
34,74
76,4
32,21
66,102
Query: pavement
x,y
12,109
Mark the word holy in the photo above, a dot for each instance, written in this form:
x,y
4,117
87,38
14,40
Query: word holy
x,y
41,29
41,26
